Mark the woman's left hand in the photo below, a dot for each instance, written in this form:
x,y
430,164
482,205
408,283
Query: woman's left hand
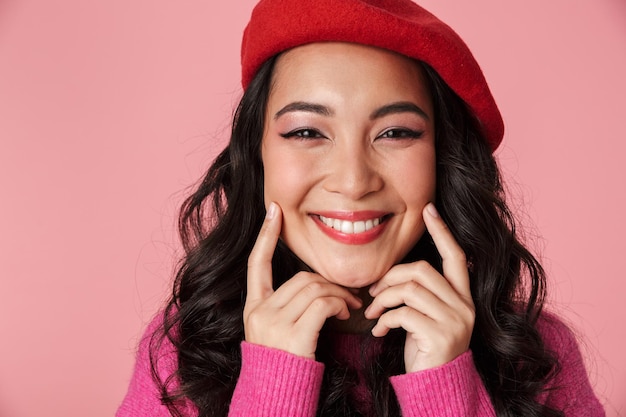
x,y
436,310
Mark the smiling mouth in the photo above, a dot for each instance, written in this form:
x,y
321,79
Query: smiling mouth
x,y
348,227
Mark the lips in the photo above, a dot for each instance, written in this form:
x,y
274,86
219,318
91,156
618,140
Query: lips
x,y
355,228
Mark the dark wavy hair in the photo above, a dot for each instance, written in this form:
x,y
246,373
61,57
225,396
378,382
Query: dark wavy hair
x,y
219,223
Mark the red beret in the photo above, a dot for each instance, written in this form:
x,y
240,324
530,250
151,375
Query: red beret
x,y
397,25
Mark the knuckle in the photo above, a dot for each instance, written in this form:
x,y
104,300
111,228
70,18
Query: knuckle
x,y
254,319
412,286
252,258
461,325
458,328
459,255
422,266
313,288
303,276
320,304
252,264
255,258
467,310
443,225
403,313
415,292
448,339
384,320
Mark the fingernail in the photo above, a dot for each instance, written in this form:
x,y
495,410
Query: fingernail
x,y
271,211
432,210
372,290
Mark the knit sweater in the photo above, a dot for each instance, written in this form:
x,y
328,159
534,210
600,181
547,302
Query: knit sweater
x,y
276,383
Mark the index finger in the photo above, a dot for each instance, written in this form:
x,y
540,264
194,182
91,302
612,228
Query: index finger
x,y
260,260
453,257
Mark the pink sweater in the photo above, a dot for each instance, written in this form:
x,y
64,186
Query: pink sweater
x,y
276,383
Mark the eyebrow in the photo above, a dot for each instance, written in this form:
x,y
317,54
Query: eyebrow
x,y
304,106
393,108
399,107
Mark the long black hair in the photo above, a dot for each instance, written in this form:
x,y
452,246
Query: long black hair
x,y
219,223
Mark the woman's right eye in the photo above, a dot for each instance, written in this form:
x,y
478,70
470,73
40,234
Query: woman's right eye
x,y
302,134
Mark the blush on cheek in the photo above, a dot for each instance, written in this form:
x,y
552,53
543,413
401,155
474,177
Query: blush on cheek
x,y
287,180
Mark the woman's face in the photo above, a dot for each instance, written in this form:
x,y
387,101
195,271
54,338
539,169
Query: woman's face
x,y
349,156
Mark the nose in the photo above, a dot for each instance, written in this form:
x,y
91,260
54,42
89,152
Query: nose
x,y
353,171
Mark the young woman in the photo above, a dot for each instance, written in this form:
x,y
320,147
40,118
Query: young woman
x,y
350,252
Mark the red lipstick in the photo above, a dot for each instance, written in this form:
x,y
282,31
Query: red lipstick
x,y
361,238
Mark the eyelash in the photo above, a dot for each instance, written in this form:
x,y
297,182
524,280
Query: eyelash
x,y
403,134
308,133
299,134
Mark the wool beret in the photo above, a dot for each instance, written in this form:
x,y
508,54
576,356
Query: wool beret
x,y
397,25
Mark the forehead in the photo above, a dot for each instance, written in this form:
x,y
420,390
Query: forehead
x,y
348,68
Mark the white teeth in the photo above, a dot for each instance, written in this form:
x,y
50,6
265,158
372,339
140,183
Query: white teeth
x,y
348,227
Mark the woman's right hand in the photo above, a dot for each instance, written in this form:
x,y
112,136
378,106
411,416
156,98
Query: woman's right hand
x,y
291,317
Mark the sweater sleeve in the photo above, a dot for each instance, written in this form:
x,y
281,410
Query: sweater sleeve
x,y
454,389
273,383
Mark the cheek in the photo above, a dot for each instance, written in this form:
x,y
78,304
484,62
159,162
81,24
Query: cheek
x,y
286,177
415,180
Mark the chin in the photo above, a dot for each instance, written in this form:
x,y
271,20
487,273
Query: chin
x,y
351,280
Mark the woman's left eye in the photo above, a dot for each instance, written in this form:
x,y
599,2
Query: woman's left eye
x,y
401,134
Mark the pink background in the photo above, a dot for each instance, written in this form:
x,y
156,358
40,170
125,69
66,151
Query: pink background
x,y
109,109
